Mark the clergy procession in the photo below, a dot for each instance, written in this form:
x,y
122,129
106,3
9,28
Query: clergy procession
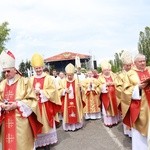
x,y
32,109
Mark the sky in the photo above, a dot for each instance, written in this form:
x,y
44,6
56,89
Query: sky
x,y
99,28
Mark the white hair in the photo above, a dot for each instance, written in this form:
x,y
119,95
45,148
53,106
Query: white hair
x,y
138,56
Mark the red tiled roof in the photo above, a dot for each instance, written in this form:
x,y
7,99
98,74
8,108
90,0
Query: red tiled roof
x,y
66,56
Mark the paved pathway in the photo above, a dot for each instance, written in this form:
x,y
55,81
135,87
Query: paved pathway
x,y
94,136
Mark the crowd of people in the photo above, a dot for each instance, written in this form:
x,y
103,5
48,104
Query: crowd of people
x,y
31,108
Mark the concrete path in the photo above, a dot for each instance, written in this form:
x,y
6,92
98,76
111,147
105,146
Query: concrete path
x,y
93,136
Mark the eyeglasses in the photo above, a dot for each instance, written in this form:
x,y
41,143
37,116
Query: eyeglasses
x,y
8,71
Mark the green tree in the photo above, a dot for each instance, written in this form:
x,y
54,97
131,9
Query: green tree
x,y
116,63
4,33
144,43
23,68
28,65
113,68
99,69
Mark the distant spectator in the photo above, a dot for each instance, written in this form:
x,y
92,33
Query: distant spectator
x,y
61,75
46,70
95,74
54,73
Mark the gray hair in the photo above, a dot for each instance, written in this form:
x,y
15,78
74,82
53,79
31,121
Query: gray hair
x,y
138,56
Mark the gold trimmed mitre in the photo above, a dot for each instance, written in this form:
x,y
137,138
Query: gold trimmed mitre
x,y
7,59
105,65
37,60
126,58
70,68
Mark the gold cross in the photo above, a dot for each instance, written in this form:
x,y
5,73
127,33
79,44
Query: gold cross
x,y
72,114
10,123
9,138
9,94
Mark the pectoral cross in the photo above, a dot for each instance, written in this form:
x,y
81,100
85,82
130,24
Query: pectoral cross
x,y
9,94
9,138
72,114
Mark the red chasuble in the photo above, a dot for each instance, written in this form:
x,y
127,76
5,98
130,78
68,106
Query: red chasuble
x,y
51,108
143,76
111,95
135,105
